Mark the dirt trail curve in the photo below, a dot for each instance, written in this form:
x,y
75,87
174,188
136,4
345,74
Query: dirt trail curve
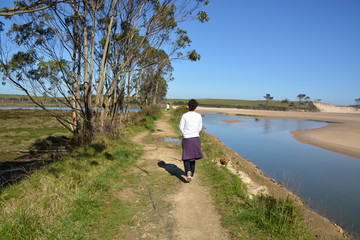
x,y
192,212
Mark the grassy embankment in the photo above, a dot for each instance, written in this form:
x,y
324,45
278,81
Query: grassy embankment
x,y
249,104
80,196
264,217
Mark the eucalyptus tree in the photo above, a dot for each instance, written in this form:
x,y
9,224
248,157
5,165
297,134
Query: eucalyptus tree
x,y
307,100
154,77
268,98
300,97
90,55
357,101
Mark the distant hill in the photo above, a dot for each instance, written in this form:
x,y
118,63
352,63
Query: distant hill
x,y
250,104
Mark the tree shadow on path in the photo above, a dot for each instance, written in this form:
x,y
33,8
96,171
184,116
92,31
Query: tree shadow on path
x,y
173,170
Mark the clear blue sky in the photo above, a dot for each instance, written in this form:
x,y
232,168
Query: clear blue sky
x,y
282,47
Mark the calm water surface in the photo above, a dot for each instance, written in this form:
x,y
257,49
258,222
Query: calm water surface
x,y
57,108
328,181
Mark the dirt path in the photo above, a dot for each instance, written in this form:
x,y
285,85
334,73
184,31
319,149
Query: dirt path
x,y
192,215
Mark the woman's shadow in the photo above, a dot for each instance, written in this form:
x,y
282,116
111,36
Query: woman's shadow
x,y
173,170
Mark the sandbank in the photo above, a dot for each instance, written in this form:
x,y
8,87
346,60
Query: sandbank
x,y
231,121
341,135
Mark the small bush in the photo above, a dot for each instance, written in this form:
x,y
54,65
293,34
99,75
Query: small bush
x,y
179,111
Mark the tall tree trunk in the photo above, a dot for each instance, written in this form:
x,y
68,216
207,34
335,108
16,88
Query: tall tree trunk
x,y
112,103
121,96
74,87
127,96
99,101
91,73
88,125
154,100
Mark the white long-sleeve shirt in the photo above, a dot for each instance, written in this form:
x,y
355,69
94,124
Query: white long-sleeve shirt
x,y
190,124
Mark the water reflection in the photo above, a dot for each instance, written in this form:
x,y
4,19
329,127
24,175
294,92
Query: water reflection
x,y
327,180
267,129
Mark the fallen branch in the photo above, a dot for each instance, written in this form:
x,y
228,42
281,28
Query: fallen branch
x,y
151,197
142,170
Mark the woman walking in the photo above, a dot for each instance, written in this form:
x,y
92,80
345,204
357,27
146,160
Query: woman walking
x,y
190,127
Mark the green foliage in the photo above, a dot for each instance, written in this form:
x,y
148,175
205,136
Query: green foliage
x,y
147,116
32,30
301,96
177,113
357,101
183,40
22,59
193,56
285,101
279,217
268,98
203,17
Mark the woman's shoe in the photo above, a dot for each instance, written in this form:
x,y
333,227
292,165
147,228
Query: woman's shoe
x,y
189,177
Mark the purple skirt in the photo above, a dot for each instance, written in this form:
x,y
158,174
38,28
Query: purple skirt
x,y
191,148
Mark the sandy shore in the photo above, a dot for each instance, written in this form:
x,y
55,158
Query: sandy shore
x,y
341,135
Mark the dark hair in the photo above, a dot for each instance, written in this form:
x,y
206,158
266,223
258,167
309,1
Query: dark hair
x,y
192,104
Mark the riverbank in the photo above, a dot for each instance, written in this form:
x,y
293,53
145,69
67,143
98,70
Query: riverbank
x,y
320,227
341,135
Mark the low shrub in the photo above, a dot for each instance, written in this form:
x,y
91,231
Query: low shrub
x,y
177,113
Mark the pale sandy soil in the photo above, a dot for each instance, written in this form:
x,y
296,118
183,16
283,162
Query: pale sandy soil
x,y
324,107
341,135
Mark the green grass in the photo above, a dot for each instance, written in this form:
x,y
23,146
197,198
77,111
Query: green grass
x,y
20,129
71,199
82,195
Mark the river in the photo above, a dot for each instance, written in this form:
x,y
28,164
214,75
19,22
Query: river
x,y
326,180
